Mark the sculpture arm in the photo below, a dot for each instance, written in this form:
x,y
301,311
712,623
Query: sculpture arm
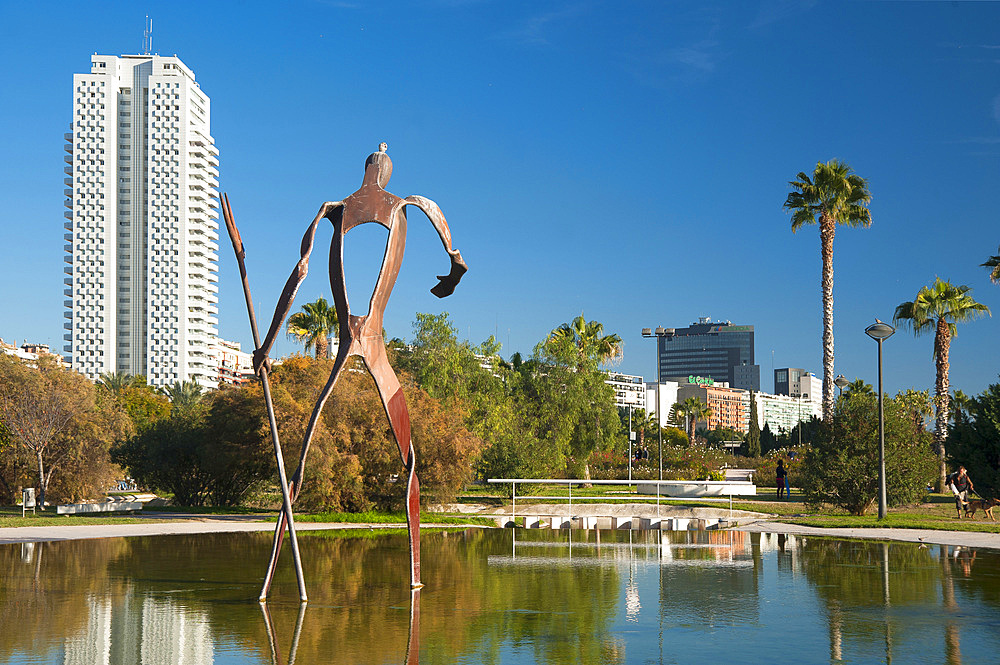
x,y
260,355
447,283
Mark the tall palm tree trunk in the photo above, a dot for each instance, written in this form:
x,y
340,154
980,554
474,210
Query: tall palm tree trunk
x,y
322,347
942,345
827,229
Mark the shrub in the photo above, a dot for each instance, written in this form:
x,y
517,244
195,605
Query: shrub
x,y
842,466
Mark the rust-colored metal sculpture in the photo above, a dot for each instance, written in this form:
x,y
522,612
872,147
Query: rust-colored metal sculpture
x,y
360,335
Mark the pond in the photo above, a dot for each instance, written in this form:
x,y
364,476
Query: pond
x,y
500,596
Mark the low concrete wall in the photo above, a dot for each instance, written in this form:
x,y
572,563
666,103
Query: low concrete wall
x,y
105,507
699,488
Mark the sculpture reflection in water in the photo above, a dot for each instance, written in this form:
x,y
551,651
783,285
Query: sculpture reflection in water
x,y
359,335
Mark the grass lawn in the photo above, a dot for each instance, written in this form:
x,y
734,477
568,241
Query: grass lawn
x,y
10,516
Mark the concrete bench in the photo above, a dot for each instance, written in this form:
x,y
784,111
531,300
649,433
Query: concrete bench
x,y
698,489
104,507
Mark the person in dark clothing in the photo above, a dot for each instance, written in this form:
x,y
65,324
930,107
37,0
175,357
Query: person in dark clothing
x,y
781,472
960,485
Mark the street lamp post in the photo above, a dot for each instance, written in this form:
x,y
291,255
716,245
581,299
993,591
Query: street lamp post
x,y
841,382
658,333
879,331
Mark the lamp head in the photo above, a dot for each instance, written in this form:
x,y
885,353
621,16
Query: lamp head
x,y
879,330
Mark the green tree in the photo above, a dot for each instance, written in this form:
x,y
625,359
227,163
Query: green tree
x,y
53,417
484,392
834,196
993,263
974,441
752,446
574,409
313,326
692,410
938,308
589,340
213,452
918,405
767,440
841,467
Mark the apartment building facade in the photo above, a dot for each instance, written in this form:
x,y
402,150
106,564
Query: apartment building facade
x,y
141,227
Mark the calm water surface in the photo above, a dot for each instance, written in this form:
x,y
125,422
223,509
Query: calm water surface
x,y
496,596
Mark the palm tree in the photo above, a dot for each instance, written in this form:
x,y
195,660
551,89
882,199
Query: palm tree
x,y
642,422
116,382
592,345
183,393
834,196
859,387
939,307
994,263
962,404
694,409
313,326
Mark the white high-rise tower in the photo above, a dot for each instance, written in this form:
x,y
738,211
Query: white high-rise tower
x,y
141,230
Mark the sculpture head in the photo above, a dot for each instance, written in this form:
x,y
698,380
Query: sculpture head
x,y
383,164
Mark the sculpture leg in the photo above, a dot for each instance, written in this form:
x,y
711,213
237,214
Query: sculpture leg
x,y
295,486
399,419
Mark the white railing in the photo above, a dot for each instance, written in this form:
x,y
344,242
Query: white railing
x,y
720,487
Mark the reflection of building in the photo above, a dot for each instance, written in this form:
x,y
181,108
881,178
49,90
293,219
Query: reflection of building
x,y
630,391
721,351
141,230
140,629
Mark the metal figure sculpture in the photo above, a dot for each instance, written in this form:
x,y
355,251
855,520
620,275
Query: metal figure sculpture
x,y
362,335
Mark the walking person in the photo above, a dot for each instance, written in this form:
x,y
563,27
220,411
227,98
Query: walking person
x,y
960,485
781,474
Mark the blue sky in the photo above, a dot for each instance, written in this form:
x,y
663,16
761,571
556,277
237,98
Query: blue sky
x,y
627,160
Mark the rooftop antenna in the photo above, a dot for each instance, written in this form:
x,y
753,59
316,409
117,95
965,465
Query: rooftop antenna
x,y
147,37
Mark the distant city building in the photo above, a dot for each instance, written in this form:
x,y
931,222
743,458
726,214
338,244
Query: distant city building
x,y
234,366
141,225
730,406
797,382
30,352
782,412
721,351
668,397
630,391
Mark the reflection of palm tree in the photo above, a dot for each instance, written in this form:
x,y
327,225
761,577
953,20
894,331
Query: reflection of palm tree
x,y
313,326
834,196
952,648
938,308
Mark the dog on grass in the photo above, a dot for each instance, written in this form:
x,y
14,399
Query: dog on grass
x,y
985,505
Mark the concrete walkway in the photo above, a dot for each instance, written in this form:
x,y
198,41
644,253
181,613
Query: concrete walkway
x,y
928,536
175,527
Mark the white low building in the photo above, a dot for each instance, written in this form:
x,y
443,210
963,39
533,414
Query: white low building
x,y
630,390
